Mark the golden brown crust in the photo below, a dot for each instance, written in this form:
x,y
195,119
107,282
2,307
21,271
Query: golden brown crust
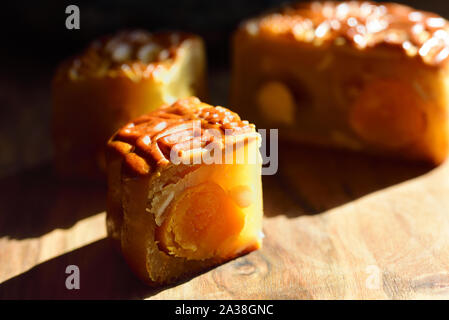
x,y
133,54
362,25
147,142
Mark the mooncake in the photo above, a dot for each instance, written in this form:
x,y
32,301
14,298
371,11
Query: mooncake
x,y
184,190
114,80
367,76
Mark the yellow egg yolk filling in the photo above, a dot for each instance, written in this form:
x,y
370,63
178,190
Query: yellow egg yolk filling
x,y
202,223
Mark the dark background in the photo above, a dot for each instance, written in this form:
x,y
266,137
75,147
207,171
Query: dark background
x,y
34,40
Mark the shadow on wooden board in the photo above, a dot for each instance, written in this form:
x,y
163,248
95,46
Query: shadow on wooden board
x,y
35,202
103,275
311,180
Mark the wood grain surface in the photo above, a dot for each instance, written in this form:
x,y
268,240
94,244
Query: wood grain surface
x,y
338,225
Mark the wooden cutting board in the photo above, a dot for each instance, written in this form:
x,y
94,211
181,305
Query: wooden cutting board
x,y
338,226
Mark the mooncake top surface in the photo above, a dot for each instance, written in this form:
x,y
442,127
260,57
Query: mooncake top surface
x,y
361,24
185,127
135,54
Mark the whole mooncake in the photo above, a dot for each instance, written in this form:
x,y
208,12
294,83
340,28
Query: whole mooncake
x,y
184,190
367,76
